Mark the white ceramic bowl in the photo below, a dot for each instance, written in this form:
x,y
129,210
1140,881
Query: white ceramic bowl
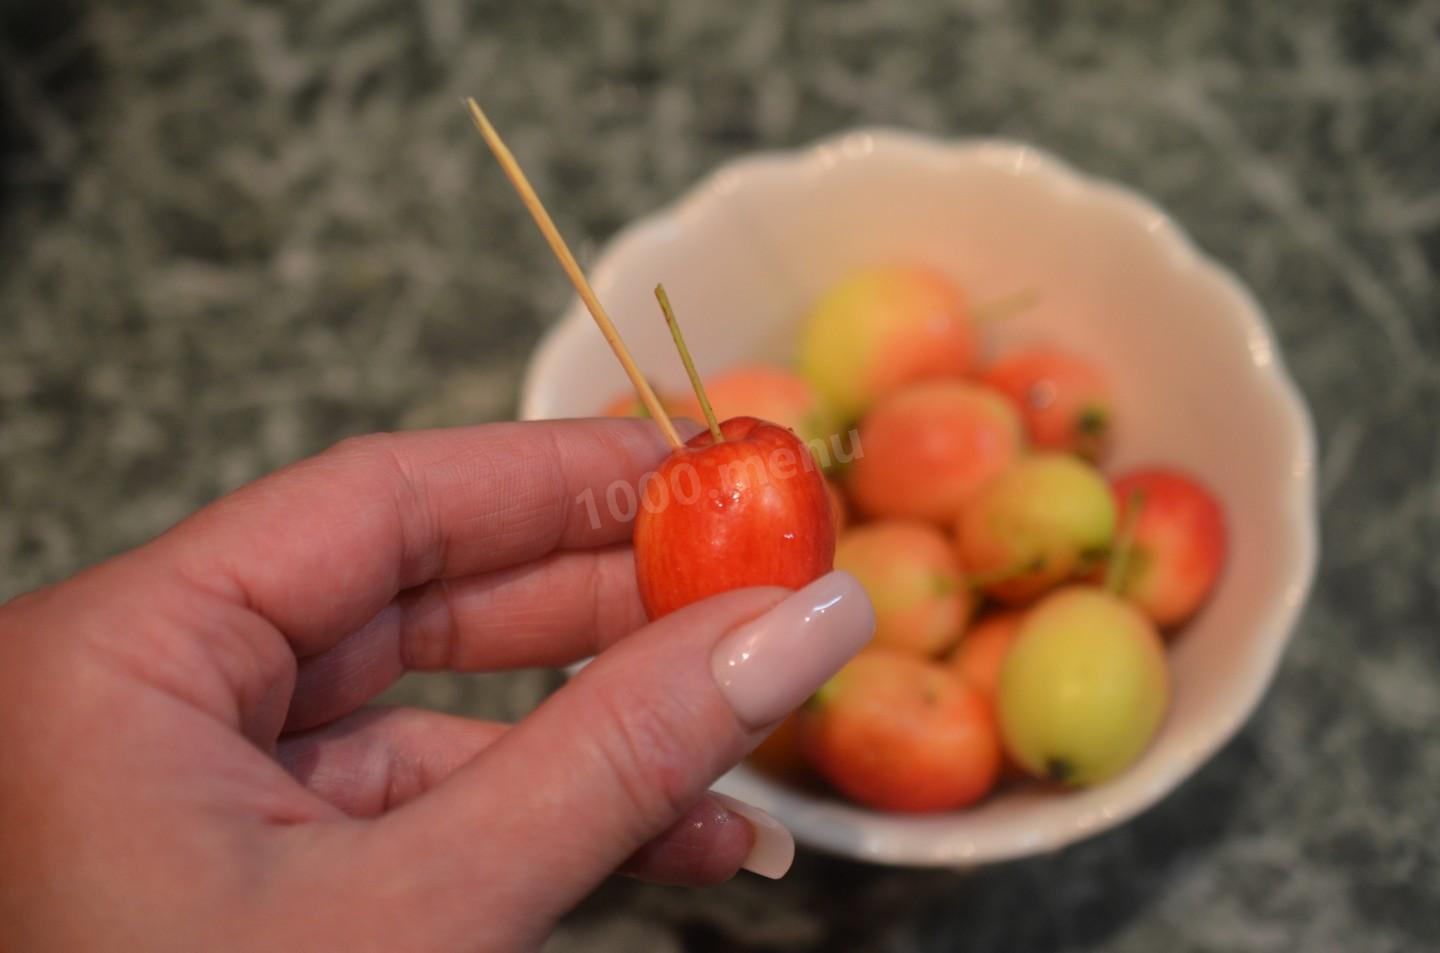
x,y
1198,380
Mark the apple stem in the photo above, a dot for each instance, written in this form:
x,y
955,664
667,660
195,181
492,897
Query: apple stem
x,y
1124,543
685,359
1010,305
572,270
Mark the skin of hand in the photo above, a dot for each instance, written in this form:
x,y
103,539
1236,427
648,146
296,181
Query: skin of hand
x,y
187,762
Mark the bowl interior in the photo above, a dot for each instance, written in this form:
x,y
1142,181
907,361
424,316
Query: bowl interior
x,y
1197,379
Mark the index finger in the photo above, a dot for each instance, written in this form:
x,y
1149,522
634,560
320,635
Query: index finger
x,y
319,547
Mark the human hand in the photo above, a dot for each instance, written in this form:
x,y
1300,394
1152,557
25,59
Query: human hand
x,y
185,763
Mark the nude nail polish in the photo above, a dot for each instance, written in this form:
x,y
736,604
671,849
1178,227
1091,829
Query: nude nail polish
x,y
770,665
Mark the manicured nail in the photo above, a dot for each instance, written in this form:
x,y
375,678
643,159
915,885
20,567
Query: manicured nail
x,y
773,851
768,666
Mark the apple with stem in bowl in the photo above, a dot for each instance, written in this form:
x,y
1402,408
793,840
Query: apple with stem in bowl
x,y
1179,546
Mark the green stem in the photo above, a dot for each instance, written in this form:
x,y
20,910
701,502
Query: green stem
x,y
1124,543
694,375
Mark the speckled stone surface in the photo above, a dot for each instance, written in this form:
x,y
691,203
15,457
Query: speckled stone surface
x,y
232,233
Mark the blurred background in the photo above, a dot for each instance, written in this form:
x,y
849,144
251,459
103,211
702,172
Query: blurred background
x,y
232,233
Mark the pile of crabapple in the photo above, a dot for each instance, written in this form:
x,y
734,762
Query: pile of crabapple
x,y
1024,598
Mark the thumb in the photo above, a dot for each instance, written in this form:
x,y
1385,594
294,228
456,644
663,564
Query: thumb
x,y
621,752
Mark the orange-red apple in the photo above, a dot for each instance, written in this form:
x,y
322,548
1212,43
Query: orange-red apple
x,y
900,733
926,451
910,572
1064,399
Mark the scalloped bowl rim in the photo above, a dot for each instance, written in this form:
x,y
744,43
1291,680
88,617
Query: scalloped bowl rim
x,y
811,818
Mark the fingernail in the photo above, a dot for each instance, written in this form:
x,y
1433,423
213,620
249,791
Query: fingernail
x,y
773,851
768,666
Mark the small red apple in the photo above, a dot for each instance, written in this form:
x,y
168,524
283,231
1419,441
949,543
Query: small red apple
x,y
1179,543
1064,399
751,510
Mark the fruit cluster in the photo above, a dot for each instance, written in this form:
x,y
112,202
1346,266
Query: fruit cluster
x,y
1022,599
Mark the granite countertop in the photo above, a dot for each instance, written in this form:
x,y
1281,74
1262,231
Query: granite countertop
x,y
233,233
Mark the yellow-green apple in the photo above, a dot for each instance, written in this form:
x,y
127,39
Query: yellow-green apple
x,y
1047,519
1084,687
882,328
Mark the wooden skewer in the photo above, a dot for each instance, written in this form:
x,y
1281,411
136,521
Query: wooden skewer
x,y
572,270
